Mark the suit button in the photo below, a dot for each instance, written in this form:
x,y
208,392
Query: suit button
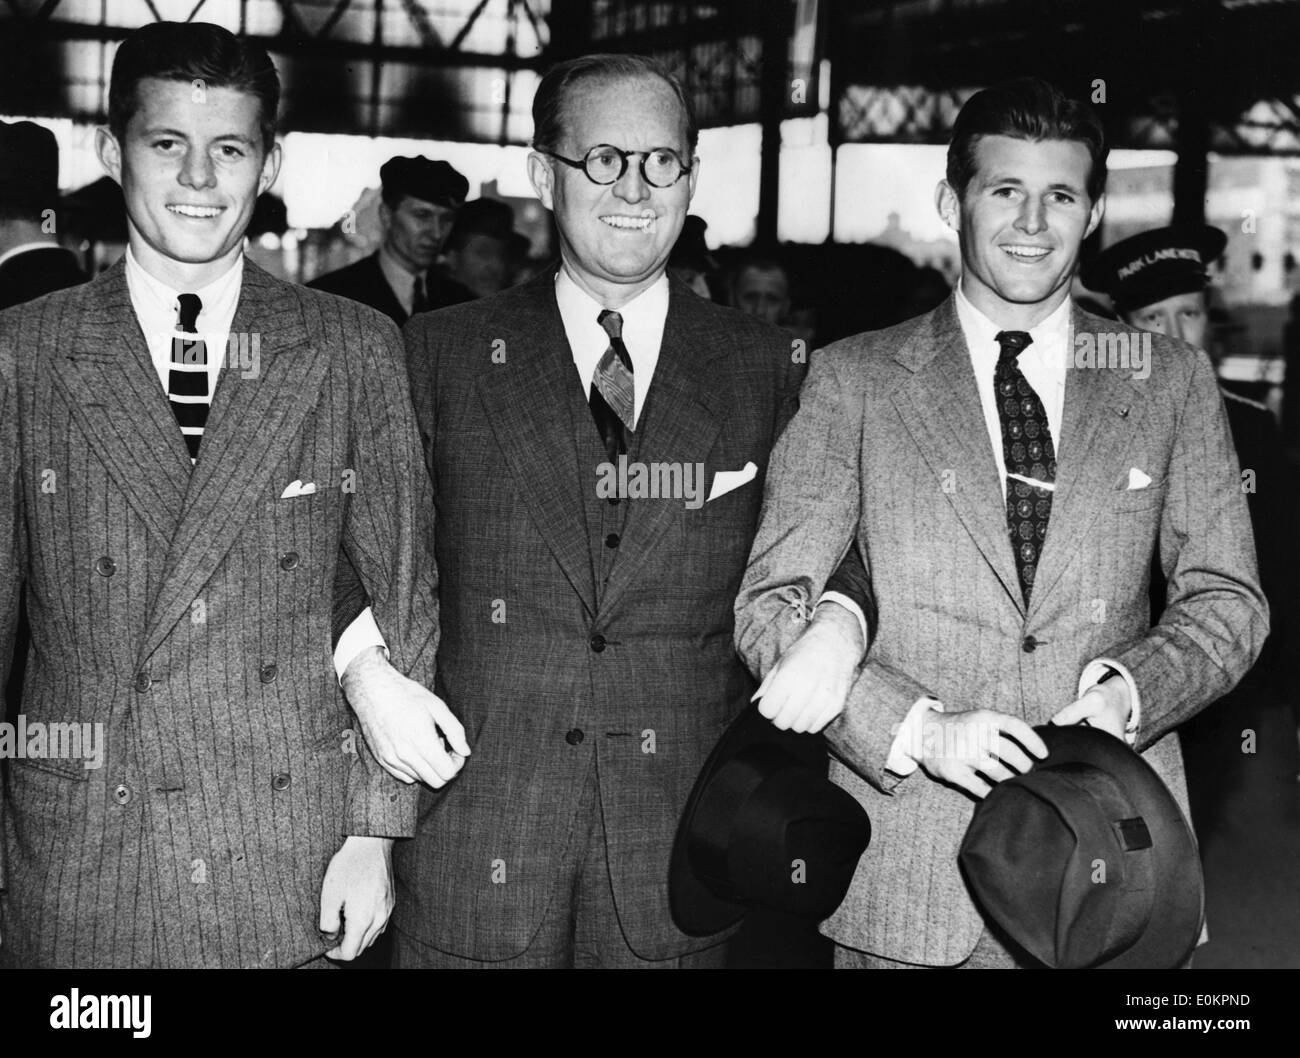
x,y
289,560
1029,644
122,794
612,540
142,682
280,781
268,673
597,643
575,737
105,567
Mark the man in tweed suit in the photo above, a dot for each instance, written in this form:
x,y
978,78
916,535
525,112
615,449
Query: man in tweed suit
x,y
925,446
587,626
178,555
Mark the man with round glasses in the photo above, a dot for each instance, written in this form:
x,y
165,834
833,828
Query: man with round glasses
x,y
598,439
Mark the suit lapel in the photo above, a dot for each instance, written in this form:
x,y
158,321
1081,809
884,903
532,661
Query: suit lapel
x,y
524,402
117,400
941,409
1100,416
686,411
252,420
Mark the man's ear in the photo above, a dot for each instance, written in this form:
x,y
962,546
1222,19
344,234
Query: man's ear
x,y
270,169
542,177
1095,214
694,177
109,152
948,204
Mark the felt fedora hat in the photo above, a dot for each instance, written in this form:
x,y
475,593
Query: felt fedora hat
x,y
1086,860
764,826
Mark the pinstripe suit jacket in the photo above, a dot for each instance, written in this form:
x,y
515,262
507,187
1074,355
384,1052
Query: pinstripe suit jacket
x,y
201,641
653,660
890,449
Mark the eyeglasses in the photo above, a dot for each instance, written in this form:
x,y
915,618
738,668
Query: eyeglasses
x,y
603,164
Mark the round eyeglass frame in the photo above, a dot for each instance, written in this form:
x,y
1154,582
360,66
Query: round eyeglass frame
x,y
624,155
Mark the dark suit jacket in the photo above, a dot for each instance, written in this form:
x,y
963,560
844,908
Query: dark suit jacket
x,y
648,675
187,611
30,274
364,281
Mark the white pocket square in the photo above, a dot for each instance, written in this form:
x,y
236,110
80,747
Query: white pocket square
x,y
726,480
1137,479
297,488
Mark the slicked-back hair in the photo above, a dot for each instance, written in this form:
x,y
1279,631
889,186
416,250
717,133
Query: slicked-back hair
x,y
1027,108
192,52
560,79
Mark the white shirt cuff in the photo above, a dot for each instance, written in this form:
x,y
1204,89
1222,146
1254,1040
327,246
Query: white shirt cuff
x,y
905,754
361,634
851,606
1092,674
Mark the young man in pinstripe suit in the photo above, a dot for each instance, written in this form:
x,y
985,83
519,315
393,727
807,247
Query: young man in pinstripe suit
x,y
174,516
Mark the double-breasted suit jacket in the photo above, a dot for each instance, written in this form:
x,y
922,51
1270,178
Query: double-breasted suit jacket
x,y
564,639
890,450
187,611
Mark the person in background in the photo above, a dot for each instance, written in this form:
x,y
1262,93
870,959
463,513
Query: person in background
x,y
480,254
420,201
1158,281
32,262
690,262
760,286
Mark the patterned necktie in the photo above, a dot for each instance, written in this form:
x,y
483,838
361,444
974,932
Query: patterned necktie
x,y
187,380
1029,453
612,391
419,299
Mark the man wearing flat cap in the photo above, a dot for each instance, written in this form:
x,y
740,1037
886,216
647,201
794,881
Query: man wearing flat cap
x,y
1157,280
420,199
32,262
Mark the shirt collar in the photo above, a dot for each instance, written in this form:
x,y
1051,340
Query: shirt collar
x,y
151,295
643,315
1050,337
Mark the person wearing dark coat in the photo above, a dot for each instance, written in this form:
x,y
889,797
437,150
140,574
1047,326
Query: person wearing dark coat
x,y
420,202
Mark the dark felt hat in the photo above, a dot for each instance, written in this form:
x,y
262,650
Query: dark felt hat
x,y
29,166
1086,860
764,826
1155,265
431,181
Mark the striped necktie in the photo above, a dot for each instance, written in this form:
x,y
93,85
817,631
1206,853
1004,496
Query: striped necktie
x,y
187,381
613,376
1029,454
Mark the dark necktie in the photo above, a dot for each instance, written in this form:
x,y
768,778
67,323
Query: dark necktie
x,y
187,379
419,298
1028,452
612,397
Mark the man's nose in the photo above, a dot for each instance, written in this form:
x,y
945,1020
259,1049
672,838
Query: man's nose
x,y
1174,327
631,186
1032,217
197,170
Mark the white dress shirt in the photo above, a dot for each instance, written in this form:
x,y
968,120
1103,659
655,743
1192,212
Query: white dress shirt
x,y
156,309
1044,364
400,279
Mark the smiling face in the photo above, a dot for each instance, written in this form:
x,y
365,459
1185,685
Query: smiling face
x,y
1181,316
1021,222
191,166
615,239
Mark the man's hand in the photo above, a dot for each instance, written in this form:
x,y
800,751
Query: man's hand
x,y
807,688
357,895
403,722
975,749
1104,705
